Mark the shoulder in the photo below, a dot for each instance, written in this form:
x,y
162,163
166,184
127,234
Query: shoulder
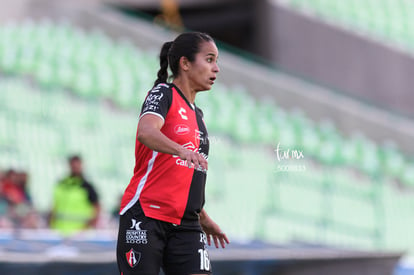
x,y
162,88
87,185
63,180
160,93
92,194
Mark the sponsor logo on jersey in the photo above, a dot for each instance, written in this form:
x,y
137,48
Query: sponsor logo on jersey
x,y
199,135
181,162
190,146
203,239
133,257
182,113
135,234
181,129
153,99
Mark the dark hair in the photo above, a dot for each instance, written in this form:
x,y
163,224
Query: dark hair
x,y
74,158
186,44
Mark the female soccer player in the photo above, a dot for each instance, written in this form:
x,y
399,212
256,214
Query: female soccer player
x,y
162,220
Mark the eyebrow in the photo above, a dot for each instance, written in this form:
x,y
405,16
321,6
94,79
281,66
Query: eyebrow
x,y
211,54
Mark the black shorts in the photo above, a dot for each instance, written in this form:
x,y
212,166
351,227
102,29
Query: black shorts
x,y
146,245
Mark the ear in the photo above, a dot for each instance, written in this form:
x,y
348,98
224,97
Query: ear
x,y
184,63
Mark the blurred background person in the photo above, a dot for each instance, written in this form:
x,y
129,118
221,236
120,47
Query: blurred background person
x,y
11,190
15,204
5,222
75,202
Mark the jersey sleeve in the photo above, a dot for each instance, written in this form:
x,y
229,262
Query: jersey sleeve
x,y
92,194
158,101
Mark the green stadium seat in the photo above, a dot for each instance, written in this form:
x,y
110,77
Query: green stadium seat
x,y
369,159
6,130
310,140
9,60
392,160
385,19
408,175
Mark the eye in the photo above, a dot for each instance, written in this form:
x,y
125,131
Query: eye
x,y
210,59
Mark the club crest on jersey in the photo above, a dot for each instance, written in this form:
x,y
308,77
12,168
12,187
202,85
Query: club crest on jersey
x,y
133,257
181,129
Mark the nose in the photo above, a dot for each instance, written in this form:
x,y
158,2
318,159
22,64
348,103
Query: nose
x,y
216,68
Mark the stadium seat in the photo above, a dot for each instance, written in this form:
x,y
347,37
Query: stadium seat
x,y
408,175
384,19
392,160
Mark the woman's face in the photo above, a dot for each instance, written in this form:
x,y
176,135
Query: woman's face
x,y
203,70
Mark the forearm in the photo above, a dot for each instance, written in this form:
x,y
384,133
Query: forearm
x,y
204,217
93,222
212,230
157,141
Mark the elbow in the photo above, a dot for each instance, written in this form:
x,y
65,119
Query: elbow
x,y
143,136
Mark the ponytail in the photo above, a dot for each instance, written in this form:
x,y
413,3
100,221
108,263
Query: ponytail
x,y
162,74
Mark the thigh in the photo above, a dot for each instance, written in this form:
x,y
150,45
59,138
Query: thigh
x,y
141,242
186,253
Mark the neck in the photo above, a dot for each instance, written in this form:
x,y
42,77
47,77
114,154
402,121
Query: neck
x,y
186,89
79,175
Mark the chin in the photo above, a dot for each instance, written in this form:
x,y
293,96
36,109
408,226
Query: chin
x,y
208,87
204,88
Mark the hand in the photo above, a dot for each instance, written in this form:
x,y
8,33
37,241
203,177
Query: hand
x,y
214,232
193,158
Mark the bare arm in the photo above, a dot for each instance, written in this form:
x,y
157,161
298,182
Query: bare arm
x,y
96,212
149,134
212,230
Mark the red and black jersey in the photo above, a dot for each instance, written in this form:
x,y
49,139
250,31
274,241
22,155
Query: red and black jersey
x,y
163,184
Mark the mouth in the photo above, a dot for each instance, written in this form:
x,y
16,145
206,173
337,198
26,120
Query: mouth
x,y
212,79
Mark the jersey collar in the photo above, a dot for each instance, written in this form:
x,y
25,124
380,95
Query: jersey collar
x,y
192,106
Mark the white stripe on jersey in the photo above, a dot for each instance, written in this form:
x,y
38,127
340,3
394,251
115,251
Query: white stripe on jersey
x,y
151,113
141,183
